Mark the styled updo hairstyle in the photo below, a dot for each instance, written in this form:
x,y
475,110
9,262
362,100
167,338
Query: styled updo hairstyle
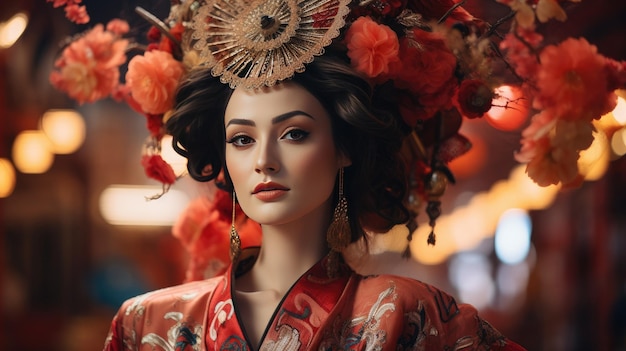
x,y
365,129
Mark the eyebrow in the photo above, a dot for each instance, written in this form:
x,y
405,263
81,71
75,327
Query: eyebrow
x,y
275,120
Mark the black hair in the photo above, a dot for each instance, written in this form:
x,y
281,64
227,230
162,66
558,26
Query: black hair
x,y
365,128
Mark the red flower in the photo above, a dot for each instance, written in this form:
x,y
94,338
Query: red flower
x,y
474,98
426,68
572,81
155,125
372,47
156,168
616,74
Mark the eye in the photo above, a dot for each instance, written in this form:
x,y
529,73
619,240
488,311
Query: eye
x,y
295,135
240,140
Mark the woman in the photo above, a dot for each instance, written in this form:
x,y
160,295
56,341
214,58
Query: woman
x,y
291,153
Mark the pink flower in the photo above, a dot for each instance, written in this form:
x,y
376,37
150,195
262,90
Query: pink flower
x,y
77,14
572,81
118,27
58,3
518,53
156,168
88,69
203,230
372,47
532,137
152,79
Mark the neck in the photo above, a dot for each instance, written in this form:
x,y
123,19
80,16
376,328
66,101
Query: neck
x,y
288,251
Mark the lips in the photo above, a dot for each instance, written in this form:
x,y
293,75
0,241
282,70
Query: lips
x,y
269,191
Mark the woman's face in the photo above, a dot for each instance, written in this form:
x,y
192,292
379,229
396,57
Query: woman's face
x,y
280,153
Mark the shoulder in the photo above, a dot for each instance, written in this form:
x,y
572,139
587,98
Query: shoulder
x,y
171,297
403,286
408,296
440,319
154,314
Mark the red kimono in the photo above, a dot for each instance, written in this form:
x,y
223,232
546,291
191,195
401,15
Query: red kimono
x,y
347,312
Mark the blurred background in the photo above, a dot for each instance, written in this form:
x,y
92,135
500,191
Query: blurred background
x,y
546,267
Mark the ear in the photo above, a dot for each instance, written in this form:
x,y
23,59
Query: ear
x,y
343,160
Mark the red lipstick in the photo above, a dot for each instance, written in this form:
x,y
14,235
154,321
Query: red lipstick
x,y
269,191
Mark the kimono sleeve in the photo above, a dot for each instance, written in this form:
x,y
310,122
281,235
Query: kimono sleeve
x,y
433,320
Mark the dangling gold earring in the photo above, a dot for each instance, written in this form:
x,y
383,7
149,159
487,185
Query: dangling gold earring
x,y
338,235
235,240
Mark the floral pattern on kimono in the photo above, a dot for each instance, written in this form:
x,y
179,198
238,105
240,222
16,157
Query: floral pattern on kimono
x,y
345,312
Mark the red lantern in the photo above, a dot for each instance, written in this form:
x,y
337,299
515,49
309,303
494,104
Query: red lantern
x,y
509,110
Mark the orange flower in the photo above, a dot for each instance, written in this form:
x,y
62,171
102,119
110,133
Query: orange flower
x,y
572,80
153,78
203,230
372,47
89,67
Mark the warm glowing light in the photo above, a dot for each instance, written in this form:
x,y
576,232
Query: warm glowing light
x,y
65,129
127,205
512,238
7,177
31,152
178,162
482,214
619,113
510,108
618,142
594,161
472,161
11,30
533,196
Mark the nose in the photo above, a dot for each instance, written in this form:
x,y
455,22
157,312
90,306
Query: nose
x,y
267,160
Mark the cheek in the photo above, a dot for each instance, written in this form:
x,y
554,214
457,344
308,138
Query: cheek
x,y
235,166
315,166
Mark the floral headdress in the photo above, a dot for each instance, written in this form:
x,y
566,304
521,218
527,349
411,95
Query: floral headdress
x,y
442,63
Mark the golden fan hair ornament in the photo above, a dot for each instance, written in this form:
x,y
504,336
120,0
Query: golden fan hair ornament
x,y
258,43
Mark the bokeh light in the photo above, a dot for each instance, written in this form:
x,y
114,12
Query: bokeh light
x,y
7,177
65,129
12,30
31,152
512,238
